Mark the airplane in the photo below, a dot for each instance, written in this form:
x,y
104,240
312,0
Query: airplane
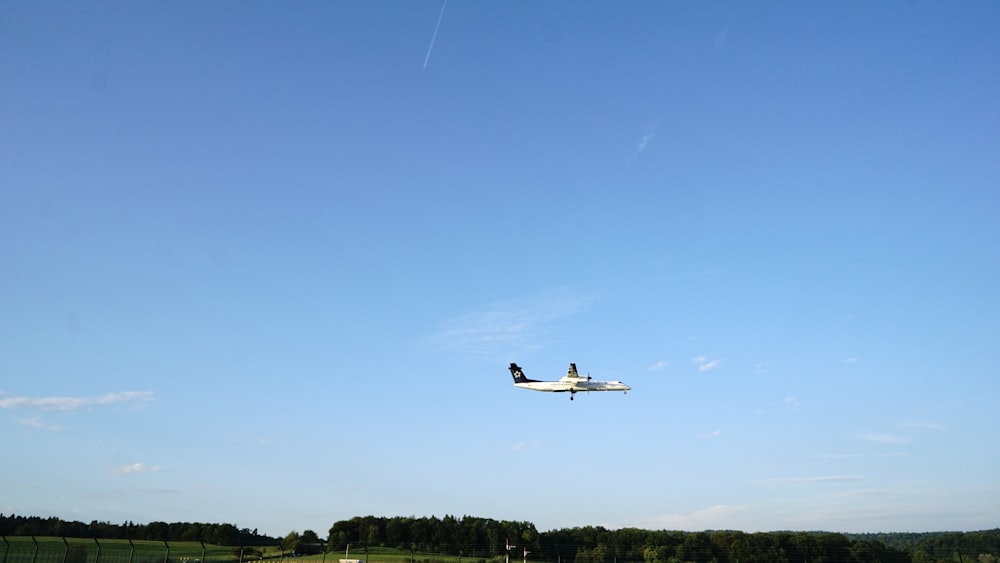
x,y
571,382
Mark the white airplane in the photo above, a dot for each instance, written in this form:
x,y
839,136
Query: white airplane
x,y
571,382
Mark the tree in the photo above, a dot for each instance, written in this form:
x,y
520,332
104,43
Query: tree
x,y
309,543
290,542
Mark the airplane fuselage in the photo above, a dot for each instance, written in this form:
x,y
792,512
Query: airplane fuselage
x,y
571,382
575,387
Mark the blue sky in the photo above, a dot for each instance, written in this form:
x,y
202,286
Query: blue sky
x,y
266,263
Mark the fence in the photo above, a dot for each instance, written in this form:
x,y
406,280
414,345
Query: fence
x,y
23,549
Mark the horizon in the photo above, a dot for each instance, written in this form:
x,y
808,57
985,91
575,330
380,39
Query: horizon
x,y
325,538
271,262
326,530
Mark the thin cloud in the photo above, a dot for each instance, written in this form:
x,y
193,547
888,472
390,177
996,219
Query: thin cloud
x,y
881,438
659,366
73,403
509,326
521,446
712,434
37,422
134,469
836,456
824,480
643,143
704,364
792,403
921,425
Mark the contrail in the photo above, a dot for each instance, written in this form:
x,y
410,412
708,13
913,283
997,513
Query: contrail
x,y
433,37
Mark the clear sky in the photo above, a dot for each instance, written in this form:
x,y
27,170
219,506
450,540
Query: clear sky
x,y
266,263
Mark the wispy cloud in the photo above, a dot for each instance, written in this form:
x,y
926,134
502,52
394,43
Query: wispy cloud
x,y
520,446
704,364
37,422
67,403
836,456
922,425
659,366
643,142
882,438
509,326
134,469
823,480
792,403
712,434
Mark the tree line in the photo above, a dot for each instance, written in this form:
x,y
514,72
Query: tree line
x,y
485,539
218,534
942,545
468,536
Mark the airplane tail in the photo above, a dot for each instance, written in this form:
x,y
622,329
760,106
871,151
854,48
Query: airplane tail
x,y
518,374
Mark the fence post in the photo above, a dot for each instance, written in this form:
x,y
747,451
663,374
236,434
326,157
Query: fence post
x,y
98,558
34,554
66,551
131,551
202,552
166,556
